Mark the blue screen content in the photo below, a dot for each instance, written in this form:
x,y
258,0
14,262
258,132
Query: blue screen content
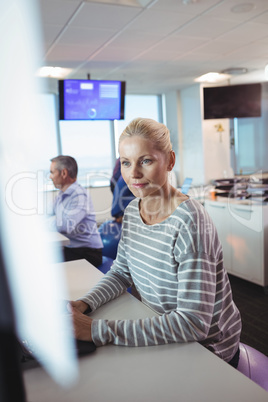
x,y
92,100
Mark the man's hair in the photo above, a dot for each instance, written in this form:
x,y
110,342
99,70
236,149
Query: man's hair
x,y
66,162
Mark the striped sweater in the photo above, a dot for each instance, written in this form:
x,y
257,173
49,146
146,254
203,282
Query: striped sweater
x,y
177,267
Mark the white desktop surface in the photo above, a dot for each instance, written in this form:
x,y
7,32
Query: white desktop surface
x,y
175,372
58,238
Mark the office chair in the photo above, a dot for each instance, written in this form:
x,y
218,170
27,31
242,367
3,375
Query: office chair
x,y
254,365
110,232
107,262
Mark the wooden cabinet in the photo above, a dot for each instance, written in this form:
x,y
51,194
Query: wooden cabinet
x,y
243,231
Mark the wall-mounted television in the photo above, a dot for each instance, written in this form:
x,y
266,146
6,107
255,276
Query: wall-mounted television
x,y
91,99
232,101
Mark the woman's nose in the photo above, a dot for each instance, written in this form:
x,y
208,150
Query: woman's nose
x,y
136,172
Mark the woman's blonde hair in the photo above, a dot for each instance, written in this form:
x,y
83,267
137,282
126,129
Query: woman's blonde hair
x,y
149,129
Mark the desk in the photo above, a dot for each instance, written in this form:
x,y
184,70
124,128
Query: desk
x,y
172,373
58,239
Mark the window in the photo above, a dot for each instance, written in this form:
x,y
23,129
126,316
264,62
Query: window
x,y
89,142
249,154
250,145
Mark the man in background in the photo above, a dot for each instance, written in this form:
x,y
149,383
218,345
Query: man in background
x,y
74,213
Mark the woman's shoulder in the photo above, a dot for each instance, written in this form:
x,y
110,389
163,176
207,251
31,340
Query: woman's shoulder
x,y
133,205
131,213
189,208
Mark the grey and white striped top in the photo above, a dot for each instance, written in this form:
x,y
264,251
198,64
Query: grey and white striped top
x,y
177,267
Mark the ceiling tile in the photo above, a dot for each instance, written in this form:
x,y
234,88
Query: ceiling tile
x,y
246,33
179,44
50,32
116,54
262,18
86,36
130,3
207,27
136,39
192,9
219,46
63,52
57,11
105,16
160,22
154,55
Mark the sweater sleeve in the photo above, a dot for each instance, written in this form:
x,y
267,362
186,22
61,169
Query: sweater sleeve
x,y
190,321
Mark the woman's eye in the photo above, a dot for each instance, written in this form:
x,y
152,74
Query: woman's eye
x,y
125,163
146,161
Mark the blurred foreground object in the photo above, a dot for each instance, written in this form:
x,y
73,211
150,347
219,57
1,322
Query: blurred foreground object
x,y
35,288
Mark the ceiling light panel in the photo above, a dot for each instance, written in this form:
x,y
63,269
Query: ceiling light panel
x,y
212,77
53,72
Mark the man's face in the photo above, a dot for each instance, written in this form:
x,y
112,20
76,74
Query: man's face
x,y
56,176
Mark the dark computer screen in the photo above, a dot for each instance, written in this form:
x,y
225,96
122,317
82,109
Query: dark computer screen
x,y
232,101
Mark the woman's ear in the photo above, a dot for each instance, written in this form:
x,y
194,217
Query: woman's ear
x,y
172,160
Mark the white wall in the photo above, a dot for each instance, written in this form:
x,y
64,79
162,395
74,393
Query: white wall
x,y
217,161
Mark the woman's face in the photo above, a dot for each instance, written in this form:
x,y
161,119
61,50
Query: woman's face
x,y
144,168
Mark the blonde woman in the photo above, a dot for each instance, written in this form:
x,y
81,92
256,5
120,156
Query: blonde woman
x,y
170,250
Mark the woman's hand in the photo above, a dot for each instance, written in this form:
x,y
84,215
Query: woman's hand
x,y
79,305
81,322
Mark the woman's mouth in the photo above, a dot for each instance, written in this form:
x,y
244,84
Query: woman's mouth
x,y
139,185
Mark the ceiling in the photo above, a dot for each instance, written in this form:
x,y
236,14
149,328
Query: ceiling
x,y
156,46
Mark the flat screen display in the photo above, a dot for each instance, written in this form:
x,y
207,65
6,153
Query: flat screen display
x,y
91,99
232,101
